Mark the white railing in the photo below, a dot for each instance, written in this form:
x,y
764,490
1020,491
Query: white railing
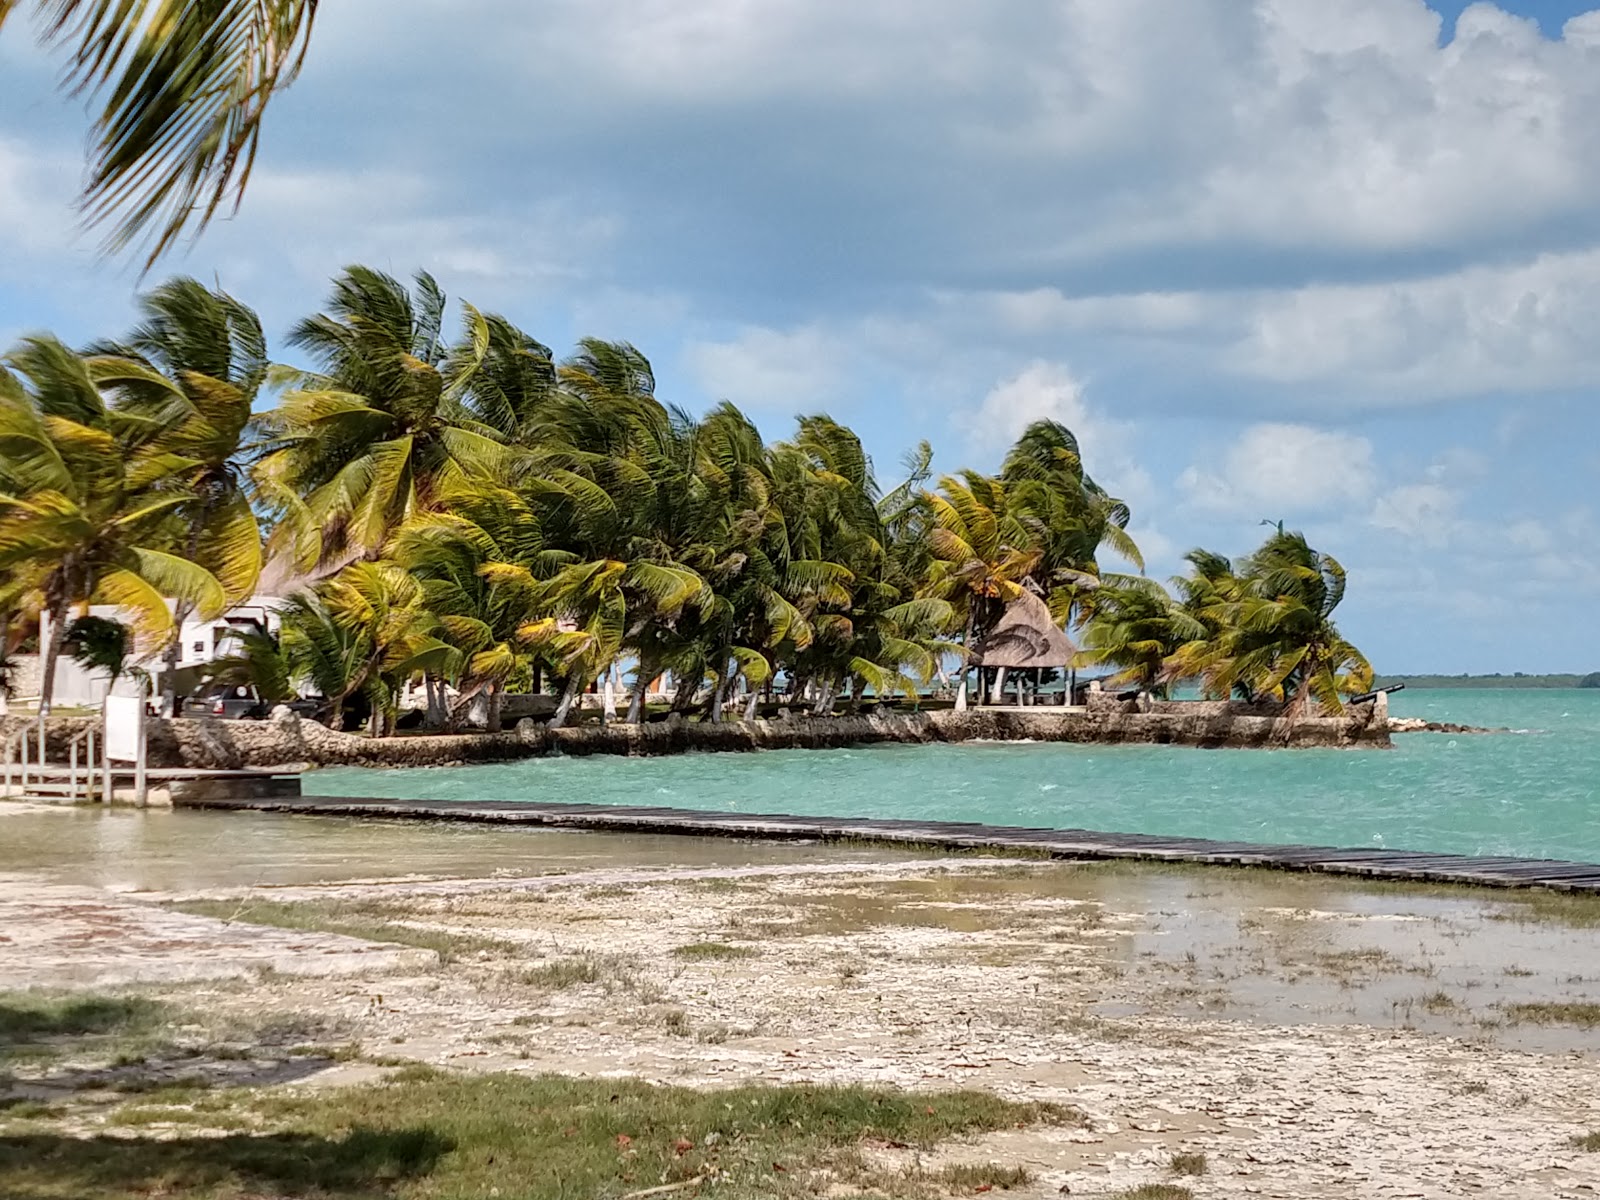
x,y
84,778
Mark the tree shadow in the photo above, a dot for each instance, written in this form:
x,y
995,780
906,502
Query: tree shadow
x,y
26,1020
363,1163
122,1044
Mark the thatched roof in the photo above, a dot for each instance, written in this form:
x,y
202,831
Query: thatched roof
x,y
1026,637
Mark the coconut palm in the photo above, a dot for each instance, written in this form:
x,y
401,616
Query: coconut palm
x,y
374,434
367,630
208,360
1137,629
1070,516
89,512
185,87
981,551
479,561
1271,632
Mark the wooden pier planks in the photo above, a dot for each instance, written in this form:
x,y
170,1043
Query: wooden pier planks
x,y
1368,862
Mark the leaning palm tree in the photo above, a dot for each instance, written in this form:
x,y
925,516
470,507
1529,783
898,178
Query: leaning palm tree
x,y
981,551
185,86
1277,639
1070,516
370,438
208,360
89,513
1138,630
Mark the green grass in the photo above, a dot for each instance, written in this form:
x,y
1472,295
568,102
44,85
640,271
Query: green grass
x,y
1589,1143
368,920
429,1135
973,1177
1551,1012
1535,907
711,951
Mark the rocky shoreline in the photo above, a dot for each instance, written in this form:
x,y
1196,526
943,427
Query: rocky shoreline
x,y
285,738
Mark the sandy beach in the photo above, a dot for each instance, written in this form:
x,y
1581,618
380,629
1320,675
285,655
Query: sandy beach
x,y
1307,1037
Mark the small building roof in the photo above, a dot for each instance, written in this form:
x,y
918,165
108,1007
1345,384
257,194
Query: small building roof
x,y
1025,637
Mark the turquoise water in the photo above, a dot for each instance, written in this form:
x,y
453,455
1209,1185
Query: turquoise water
x,y
1534,792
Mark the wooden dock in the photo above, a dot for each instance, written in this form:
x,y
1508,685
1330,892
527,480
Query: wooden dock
x,y
1055,843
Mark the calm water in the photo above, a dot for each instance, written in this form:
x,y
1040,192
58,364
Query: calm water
x,y
1533,792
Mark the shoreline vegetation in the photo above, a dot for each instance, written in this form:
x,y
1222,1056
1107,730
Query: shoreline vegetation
x,y
452,521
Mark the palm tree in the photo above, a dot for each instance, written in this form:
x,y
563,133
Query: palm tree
x,y
208,357
1274,635
1138,629
982,553
362,631
1070,516
185,88
89,512
371,438
479,561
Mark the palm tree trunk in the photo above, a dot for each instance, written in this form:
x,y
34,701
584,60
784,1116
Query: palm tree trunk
x,y
57,613
683,693
718,693
437,713
750,707
170,656
568,695
641,683
824,699
496,702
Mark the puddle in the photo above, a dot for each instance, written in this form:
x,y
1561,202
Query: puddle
x,y
1263,947
164,850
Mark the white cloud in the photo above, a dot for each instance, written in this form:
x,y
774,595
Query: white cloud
x,y
1425,512
790,371
1277,471
1047,391
1532,326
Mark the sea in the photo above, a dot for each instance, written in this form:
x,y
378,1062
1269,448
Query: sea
x,y
1532,790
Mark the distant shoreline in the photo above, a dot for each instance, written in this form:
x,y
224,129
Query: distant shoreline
x,y
1491,682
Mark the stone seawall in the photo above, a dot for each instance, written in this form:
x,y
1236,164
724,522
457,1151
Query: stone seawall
x,y
285,739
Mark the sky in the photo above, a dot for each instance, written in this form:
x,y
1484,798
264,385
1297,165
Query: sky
x,y
1331,264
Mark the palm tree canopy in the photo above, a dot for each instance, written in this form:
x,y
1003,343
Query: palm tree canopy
x,y
182,89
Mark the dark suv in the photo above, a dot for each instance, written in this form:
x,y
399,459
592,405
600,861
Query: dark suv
x,y
233,702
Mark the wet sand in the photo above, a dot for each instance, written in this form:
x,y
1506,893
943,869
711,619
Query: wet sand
x,y
1313,1037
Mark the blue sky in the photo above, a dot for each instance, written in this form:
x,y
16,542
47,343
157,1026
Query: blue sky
x,y
1337,264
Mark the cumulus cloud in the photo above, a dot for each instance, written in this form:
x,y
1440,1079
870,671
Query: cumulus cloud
x,y
1532,326
1276,471
784,370
1048,391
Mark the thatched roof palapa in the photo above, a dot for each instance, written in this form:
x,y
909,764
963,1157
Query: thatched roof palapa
x,y
1025,638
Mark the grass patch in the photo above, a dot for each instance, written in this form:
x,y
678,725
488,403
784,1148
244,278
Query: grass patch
x,y
365,919
1589,1143
713,951
611,970
1550,1012
426,1134
1534,907
21,1109
975,1177
1156,1191
1189,1163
